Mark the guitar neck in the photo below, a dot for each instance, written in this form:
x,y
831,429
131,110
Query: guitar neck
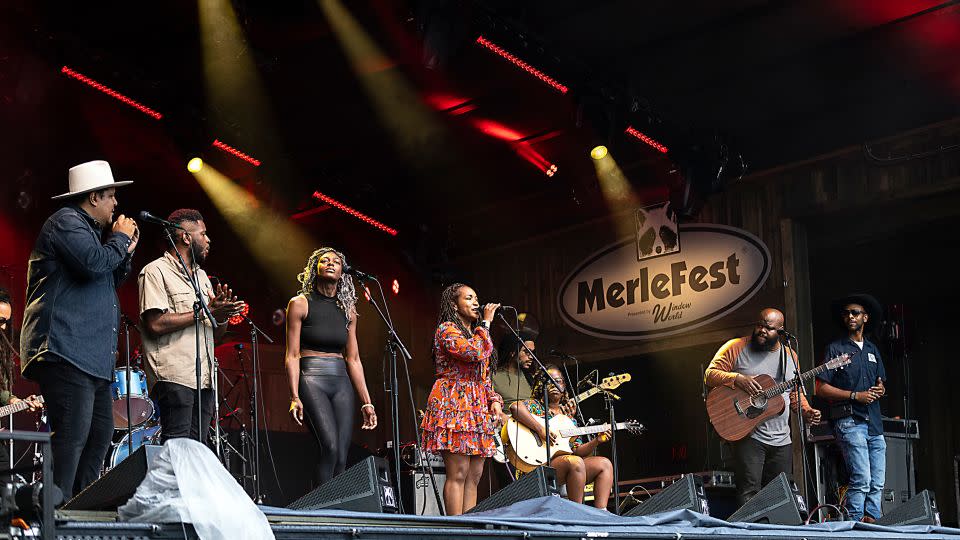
x,y
590,430
778,389
7,410
584,395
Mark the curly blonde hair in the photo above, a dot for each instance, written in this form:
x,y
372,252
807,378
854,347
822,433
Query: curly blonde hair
x,y
346,292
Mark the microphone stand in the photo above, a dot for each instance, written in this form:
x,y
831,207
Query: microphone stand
x,y
798,385
575,387
198,305
546,387
608,398
254,401
126,338
394,343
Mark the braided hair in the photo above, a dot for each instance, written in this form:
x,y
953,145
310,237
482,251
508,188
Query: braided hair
x,y
448,313
6,355
346,292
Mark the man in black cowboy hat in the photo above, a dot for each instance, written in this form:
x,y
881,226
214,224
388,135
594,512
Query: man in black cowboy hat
x,y
69,339
854,393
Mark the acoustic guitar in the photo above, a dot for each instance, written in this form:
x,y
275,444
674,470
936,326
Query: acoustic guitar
x,y
608,383
526,451
14,408
735,413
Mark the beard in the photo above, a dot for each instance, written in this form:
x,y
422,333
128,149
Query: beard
x,y
768,345
197,254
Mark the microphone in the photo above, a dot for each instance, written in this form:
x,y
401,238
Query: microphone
x,y
561,354
786,334
358,274
499,309
147,217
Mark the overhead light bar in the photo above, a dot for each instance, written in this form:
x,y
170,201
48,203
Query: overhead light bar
x,y
110,92
231,150
486,43
359,215
650,142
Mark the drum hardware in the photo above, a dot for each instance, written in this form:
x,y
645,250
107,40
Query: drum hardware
x,y
121,450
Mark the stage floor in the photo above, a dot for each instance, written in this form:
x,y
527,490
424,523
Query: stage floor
x,y
546,517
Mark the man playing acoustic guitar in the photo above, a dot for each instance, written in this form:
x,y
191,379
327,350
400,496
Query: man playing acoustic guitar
x,y
766,453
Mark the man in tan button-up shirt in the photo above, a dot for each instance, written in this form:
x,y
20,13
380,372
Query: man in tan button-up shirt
x,y
169,342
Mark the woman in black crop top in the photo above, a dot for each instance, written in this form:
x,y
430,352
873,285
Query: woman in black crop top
x,y
323,361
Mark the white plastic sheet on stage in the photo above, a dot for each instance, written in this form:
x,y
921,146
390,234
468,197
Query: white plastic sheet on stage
x,y
186,483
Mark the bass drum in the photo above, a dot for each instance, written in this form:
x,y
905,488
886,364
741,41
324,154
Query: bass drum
x,y
120,452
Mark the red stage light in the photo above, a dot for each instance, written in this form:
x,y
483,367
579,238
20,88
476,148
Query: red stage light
x,y
362,217
396,287
484,42
237,319
110,92
652,143
231,150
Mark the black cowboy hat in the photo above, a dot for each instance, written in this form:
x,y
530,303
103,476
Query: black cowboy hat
x,y
872,305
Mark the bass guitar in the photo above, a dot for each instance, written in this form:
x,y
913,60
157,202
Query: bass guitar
x,y
735,413
525,449
14,408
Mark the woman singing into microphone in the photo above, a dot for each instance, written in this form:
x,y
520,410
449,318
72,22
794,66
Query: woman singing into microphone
x,y
463,412
322,359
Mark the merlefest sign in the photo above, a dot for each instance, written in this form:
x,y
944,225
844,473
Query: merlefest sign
x,y
613,295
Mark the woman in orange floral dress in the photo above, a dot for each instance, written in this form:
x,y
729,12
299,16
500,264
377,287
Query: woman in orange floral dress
x,y
463,412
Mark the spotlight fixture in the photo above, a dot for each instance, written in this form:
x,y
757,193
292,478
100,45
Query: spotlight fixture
x,y
648,140
506,55
599,152
194,165
396,287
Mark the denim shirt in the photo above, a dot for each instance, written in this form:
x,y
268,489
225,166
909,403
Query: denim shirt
x,y
72,309
858,376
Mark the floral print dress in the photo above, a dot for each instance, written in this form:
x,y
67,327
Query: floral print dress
x,y
458,417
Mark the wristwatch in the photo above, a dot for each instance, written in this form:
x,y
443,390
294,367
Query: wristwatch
x,y
485,324
853,396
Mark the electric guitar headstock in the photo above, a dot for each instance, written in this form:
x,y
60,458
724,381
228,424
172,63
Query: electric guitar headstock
x,y
609,383
633,427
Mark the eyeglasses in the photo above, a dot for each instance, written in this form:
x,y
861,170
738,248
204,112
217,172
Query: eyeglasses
x,y
854,312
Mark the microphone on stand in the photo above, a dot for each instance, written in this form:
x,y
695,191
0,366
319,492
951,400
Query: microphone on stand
x,y
347,269
783,332
147,217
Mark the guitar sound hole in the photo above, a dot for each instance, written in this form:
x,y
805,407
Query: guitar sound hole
x,y
758,401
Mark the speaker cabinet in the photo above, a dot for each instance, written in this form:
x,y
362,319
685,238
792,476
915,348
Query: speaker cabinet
x,y
365,487
119,484
920,510
541,482
685,493
778,502
418,496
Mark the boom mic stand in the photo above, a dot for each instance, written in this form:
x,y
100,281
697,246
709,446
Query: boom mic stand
x,y
254,402
608,398
394,343
798,385
546,387
127,323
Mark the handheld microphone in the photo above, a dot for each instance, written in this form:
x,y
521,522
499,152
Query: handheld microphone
x,y
358,274
501,308
147,217
786,334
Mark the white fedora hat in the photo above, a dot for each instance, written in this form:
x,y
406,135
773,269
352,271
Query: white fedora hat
x,y
90,176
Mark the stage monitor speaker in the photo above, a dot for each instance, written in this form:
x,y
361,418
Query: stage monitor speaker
x,y
115,488
920,510
686,493
365,487
778,502
541,482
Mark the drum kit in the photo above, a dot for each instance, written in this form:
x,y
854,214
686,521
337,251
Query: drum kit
x,y
144,426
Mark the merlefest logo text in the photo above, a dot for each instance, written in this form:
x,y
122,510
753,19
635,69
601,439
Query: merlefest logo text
x,y
613,295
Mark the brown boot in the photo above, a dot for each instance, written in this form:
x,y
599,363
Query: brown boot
x,y
868,519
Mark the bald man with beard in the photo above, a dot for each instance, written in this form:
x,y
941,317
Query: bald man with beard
x,y
767,452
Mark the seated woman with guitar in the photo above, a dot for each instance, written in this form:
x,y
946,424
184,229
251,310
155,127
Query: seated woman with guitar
x,y
573,469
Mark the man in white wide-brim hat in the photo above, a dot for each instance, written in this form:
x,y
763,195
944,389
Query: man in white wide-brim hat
x,y
68,343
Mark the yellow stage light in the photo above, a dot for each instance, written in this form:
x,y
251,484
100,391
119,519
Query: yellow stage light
x,y
194,165
598,152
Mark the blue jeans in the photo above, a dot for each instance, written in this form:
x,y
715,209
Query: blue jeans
x,y
866,460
